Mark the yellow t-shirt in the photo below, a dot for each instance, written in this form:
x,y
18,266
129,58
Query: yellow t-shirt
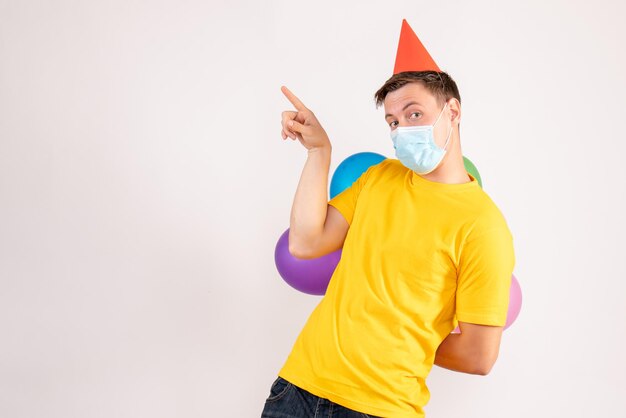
x,y
419,256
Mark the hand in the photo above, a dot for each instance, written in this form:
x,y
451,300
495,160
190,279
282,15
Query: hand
x,y
302,124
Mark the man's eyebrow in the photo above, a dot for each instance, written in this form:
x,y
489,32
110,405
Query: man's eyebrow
x,y
404,108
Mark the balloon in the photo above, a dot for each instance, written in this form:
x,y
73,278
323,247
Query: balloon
x,y
515,304
351,169
308,276
471,168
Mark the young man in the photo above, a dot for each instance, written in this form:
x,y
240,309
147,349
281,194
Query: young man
x,y
424,249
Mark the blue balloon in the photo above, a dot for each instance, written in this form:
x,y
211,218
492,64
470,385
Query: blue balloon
x,y
351,169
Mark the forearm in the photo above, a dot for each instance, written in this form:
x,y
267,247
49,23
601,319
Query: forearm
x,y
308,213
461,355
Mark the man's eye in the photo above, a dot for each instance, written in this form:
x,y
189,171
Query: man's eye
x,y
414,115
393,124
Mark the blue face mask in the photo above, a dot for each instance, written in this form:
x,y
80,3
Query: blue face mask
x,y
416,148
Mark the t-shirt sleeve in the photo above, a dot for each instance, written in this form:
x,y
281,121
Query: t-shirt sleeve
x,y
345,202
484,278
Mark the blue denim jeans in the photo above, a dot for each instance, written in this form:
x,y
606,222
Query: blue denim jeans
x,y
287,400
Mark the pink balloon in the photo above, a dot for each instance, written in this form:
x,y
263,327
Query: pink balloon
x,y
515,304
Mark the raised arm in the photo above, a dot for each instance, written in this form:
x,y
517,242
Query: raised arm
x,y
315,228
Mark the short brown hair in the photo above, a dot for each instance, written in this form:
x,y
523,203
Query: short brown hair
x,y
440,84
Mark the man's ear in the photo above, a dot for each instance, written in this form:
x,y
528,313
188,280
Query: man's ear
x,y
455,111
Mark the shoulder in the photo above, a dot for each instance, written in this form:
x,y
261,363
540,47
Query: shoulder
x,y
377,170
487,219
387,167
391,164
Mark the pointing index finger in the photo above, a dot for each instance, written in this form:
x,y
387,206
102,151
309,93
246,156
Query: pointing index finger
x,y
293,99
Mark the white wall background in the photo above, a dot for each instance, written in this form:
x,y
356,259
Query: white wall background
x,y
144,184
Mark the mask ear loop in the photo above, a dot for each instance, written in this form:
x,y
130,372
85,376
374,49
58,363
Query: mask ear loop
x,y
449,135
451,127
443,88
440,113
